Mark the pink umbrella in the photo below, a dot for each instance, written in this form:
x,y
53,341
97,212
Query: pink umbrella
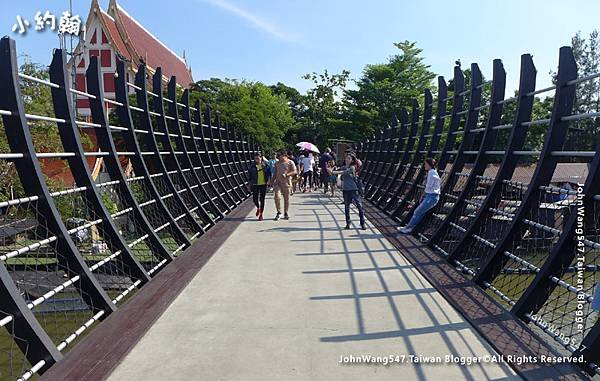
x,y
308,147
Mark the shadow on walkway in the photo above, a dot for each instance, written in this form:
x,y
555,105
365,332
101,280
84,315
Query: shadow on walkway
x,y
449,334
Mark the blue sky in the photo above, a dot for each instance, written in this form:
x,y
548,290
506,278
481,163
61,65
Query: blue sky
x,y
273,41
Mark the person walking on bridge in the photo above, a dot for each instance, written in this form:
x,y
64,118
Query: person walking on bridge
x,y
350,190
431,198
259,174
324,161
285,169
307,164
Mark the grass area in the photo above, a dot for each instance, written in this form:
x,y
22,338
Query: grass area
x,y
58,326
12,361
561,305
512,285
31,261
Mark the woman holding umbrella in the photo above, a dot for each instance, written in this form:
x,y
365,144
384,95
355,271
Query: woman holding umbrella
x,y
307,164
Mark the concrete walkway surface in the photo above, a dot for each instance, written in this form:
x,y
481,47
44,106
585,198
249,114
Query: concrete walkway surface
x,y
285,300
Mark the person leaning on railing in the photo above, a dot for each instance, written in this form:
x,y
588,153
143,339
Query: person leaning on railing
x,y
259,175
431,198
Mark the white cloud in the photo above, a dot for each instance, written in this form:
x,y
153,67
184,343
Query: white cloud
x,y
256,21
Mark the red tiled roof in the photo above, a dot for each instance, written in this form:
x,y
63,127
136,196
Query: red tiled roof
x,y
564,172
154,52
114,35
58,169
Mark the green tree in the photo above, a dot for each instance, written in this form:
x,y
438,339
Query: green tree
x,y
321,108
385,88
250,106
37,99
584,134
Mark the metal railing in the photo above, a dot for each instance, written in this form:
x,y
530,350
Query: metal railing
x,y
519,205
71,254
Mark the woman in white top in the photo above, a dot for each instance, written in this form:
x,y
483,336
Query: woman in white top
x,y
430,199
307,168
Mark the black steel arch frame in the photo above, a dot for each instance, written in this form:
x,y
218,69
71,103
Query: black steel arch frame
x,y
204,163
450,133
489,136
403,171
391,166
459,157
63,108
414,185
185,220
215,165
387,142
414,165
577,233
18,315
138,163
169,123
400,142
182,160
509,161
111,161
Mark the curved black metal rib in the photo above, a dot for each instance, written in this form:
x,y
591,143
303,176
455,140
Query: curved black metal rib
x,y
206,201
139,165
63,109
31,176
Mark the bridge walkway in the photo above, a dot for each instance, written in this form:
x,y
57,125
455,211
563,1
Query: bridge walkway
x,y
285,300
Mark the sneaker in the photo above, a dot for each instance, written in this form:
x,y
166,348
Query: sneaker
x,y
257,212
286,217
347,227
405,230
363,227
260,216
277,216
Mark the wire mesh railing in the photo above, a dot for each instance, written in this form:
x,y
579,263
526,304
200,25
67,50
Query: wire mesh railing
x,y
520,196
86,223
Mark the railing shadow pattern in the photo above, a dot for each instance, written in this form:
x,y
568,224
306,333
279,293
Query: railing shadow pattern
x,y
520,195
160,173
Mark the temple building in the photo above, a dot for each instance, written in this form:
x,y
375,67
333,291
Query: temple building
x,y
114,33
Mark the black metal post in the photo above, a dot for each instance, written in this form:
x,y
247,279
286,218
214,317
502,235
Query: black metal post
x,y
132,145
563,103
69,134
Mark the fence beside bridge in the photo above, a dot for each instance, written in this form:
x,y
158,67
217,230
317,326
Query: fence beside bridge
x,y
519,210
171,170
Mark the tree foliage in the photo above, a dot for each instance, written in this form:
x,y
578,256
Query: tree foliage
x,y
250,106
384,89
587,96
37,99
